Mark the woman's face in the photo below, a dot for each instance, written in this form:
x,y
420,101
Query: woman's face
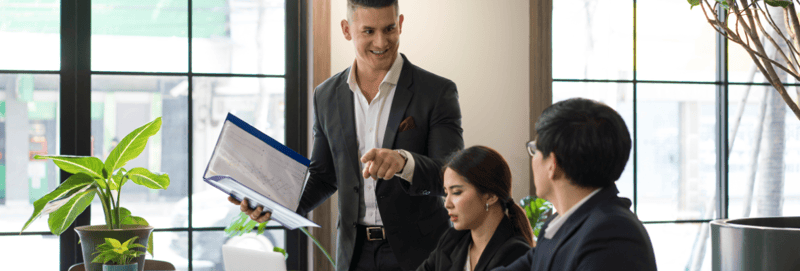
x,y
463,202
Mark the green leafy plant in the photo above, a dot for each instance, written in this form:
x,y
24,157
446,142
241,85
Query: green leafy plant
x,y
537,210
119,253
92,177
243,224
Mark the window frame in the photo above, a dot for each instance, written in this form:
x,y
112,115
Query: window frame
x,y
75,112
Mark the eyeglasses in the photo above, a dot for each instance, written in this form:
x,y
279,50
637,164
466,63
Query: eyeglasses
x,y
531,147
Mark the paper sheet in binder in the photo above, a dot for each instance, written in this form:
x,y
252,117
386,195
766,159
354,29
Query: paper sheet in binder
x,y
247,163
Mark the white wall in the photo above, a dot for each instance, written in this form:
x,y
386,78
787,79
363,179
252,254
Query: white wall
x,y
483,46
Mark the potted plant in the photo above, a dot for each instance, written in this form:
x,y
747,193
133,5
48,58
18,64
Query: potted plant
x,y
121,255
92,177
537,210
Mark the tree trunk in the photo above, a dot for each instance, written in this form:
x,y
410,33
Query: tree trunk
x,y
769,198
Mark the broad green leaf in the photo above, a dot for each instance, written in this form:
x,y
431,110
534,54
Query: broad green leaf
x,y
60,220
131,145
117,180
693,3
114,242
77,164
778,3
135,220
142,176
74,183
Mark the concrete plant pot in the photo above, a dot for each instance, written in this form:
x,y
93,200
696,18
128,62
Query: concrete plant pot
x,y
91,236
763,244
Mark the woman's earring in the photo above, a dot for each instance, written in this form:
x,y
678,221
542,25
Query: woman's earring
x,y
487,206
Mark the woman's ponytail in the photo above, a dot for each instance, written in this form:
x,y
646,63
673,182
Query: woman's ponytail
x,y
520,221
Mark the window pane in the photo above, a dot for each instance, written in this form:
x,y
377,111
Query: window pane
x,y
593,39
17,252
257,101
681,50
765,154
141,35
243,37
28,126
30,35
617,96
678,246
121,104
676,151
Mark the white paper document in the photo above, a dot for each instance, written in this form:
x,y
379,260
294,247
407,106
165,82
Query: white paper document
x,y
247,163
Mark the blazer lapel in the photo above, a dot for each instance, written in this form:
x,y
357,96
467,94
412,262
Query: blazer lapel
x,y
347,120
458,257
503,232
402,96
577,218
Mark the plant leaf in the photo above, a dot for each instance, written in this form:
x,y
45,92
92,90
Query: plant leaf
x,y
277,249
135,220
142,176
74,183
131,145
778,3
77,164
60,220
693,3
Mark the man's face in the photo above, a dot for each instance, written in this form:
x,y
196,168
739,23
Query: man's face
x,y
375,32
541,174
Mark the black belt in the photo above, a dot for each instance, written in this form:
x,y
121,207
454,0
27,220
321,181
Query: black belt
x,y
373,233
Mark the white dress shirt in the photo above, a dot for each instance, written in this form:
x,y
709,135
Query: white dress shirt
x,y
371,119
557,222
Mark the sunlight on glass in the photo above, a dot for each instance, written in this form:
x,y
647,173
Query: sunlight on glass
x,y
28,126
241,37
593,38
673,42
676,152
677,247
30,35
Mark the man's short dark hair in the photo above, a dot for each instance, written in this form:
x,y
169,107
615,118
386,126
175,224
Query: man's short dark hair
x,y
353,4
590,140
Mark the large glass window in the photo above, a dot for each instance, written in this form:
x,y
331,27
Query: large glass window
x,y
662,78
189,62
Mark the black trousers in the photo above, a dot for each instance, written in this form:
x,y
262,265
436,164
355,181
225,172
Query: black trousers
x,y
372,255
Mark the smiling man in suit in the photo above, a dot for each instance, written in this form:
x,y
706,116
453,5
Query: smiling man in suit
x,y
580,150
382,130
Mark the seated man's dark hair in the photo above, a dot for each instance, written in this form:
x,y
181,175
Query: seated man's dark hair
x,y
590,140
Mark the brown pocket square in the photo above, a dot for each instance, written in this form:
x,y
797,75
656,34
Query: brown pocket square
x,y
406,125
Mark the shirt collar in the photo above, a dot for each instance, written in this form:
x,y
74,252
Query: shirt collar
x,y
559,221
391,77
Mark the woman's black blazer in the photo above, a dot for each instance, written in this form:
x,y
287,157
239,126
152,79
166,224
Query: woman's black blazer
x,y
451,251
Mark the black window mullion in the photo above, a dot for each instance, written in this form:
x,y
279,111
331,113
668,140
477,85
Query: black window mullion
x,y
190,186
75,109
296,100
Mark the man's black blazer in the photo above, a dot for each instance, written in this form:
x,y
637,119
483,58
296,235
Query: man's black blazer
x,y
602,234
451,253
413,214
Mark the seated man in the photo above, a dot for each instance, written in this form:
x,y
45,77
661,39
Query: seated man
x,y
580,151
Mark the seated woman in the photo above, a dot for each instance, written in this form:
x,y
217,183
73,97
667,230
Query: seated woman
x,y
489,229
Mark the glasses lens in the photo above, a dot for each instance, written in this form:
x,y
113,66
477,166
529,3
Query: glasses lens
x,y
531,147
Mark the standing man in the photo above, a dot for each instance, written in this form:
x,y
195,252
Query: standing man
x,y
580,150
382,130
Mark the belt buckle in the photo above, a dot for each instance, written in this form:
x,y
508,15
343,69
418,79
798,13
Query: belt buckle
x,y
369,234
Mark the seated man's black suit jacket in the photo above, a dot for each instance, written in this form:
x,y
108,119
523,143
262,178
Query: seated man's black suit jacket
x,y
413,214
451,253
602,234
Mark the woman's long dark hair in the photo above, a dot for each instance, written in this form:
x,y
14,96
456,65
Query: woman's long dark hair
x,y
488,171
